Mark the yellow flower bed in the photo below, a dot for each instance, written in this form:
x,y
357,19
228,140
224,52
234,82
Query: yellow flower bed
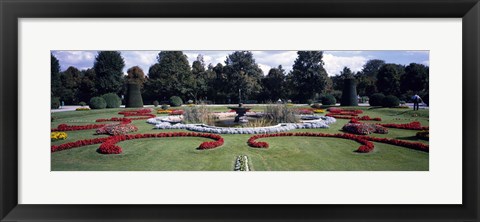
x,y
82,109
164,111
58,136
318,110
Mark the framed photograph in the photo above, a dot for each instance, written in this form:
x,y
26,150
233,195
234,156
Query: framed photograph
x,y
224,110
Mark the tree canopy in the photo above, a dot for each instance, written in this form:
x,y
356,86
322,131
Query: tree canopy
x,y
108,68
308,75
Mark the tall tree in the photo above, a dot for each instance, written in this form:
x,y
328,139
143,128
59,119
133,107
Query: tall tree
x,y
70,80
87,88
388,79
171,76
372,67
274,84
200,77
415,78
108,68
243,74
308,76
367,78
338,80
54,75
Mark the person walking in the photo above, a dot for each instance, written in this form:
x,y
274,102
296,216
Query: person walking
x,y
416,100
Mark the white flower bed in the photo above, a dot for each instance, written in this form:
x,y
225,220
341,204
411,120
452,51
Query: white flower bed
x,y
165,123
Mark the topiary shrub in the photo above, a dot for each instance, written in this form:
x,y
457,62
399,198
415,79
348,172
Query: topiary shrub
x,y
55,103
349,93
97,103
328,100
176,101
112,100
156,103
82,104
376,99
390,101
134,96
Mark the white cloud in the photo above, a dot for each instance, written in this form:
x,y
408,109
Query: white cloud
x,y
143,59
335,64
264,68
275,58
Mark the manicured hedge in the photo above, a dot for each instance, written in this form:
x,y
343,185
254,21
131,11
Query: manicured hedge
x,y
97,103
112,100
390,101
176,101
376,99
134,96
349,94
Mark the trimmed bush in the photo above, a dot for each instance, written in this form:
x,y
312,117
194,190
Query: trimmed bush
x,y
390,101
112,100
82,104
97,103
376,99
156,103
176,101
134,96
349,94
165,106
328,100
55,103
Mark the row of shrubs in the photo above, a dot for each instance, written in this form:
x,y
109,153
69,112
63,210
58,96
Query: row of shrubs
x,y
109,100
377,99
112,100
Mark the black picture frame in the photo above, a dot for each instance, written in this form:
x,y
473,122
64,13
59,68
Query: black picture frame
x,y
11,11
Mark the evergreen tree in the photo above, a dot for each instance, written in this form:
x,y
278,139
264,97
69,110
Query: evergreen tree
x,y
243,75
274,84
309,78
415,78
54,75
171,76
87,88
388,79
108,68
199,82
70,82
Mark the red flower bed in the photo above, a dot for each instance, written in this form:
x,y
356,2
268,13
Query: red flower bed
x,y
410,126
364,128
117,129
411,145
177,112
116,119
109,146
78,143
65,127
344,111
145,113
367,145
138,111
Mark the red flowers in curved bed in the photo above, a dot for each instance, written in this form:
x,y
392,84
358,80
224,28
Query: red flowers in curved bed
x,y
108,144
366,147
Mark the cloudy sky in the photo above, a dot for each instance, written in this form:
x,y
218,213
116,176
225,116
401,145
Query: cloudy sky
x,y
334,60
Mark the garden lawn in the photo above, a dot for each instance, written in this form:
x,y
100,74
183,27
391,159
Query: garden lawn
x,y
284,154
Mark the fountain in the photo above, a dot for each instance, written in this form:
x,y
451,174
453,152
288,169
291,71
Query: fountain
x,y
241,111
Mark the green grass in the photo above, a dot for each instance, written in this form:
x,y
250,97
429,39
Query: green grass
x,y
284,154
